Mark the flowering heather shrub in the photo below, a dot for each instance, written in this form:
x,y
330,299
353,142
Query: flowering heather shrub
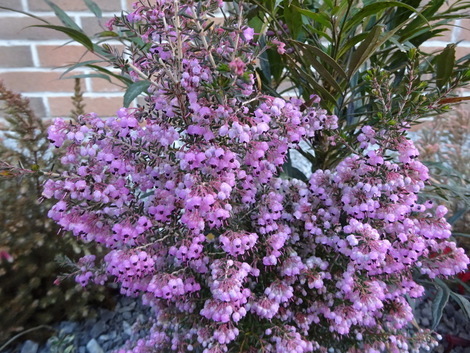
x,y
186,194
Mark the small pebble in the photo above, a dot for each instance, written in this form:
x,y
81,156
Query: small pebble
x,y
94,347
29,347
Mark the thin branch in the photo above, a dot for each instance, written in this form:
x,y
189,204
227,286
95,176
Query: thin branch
x,y
204,43
24,333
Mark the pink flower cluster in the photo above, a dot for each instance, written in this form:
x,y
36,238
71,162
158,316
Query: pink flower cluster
x,y
186,194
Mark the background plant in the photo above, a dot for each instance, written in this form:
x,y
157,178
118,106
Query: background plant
x,y
444,144
330,46
29,244
364,60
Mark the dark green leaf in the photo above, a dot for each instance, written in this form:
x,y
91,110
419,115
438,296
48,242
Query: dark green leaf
x,y
256,23
462,302
439,302
325,74
316,16
107,34
365,49
443,169
63,17
293,18
80,64
351,43
402,14
313,51
375,9
310,29
134,90
94,8
292,171
73,34
370,45
147,194
275,64
445,65
309,82
424,16
424,34
457,215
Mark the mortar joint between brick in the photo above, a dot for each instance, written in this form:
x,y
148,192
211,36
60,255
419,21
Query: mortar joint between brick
x,y
34,55
124,5
24,5
88,85
47,106
78,20
456,31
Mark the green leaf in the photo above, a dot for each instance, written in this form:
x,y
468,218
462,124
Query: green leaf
x,y
147,194
445,65
292,171
365,49
275,64
107,34
351,43
374,9
101,51
256,23
24,13
127,81
313,51
462,302
428,12
371,44
293,18
63,17
457,215
316,16
93,7
73,34
80,64
463,284
310,29
313,84
402,14
439,302
134,90
90,76
325,74
465,235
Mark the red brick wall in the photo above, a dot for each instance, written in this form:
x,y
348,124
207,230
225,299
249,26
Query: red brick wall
x,y
29,57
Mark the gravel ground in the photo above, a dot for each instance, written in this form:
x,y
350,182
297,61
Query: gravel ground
x,y
111,329
108,331
454,327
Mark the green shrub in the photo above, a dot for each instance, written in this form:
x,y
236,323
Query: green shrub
x,y
29,292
